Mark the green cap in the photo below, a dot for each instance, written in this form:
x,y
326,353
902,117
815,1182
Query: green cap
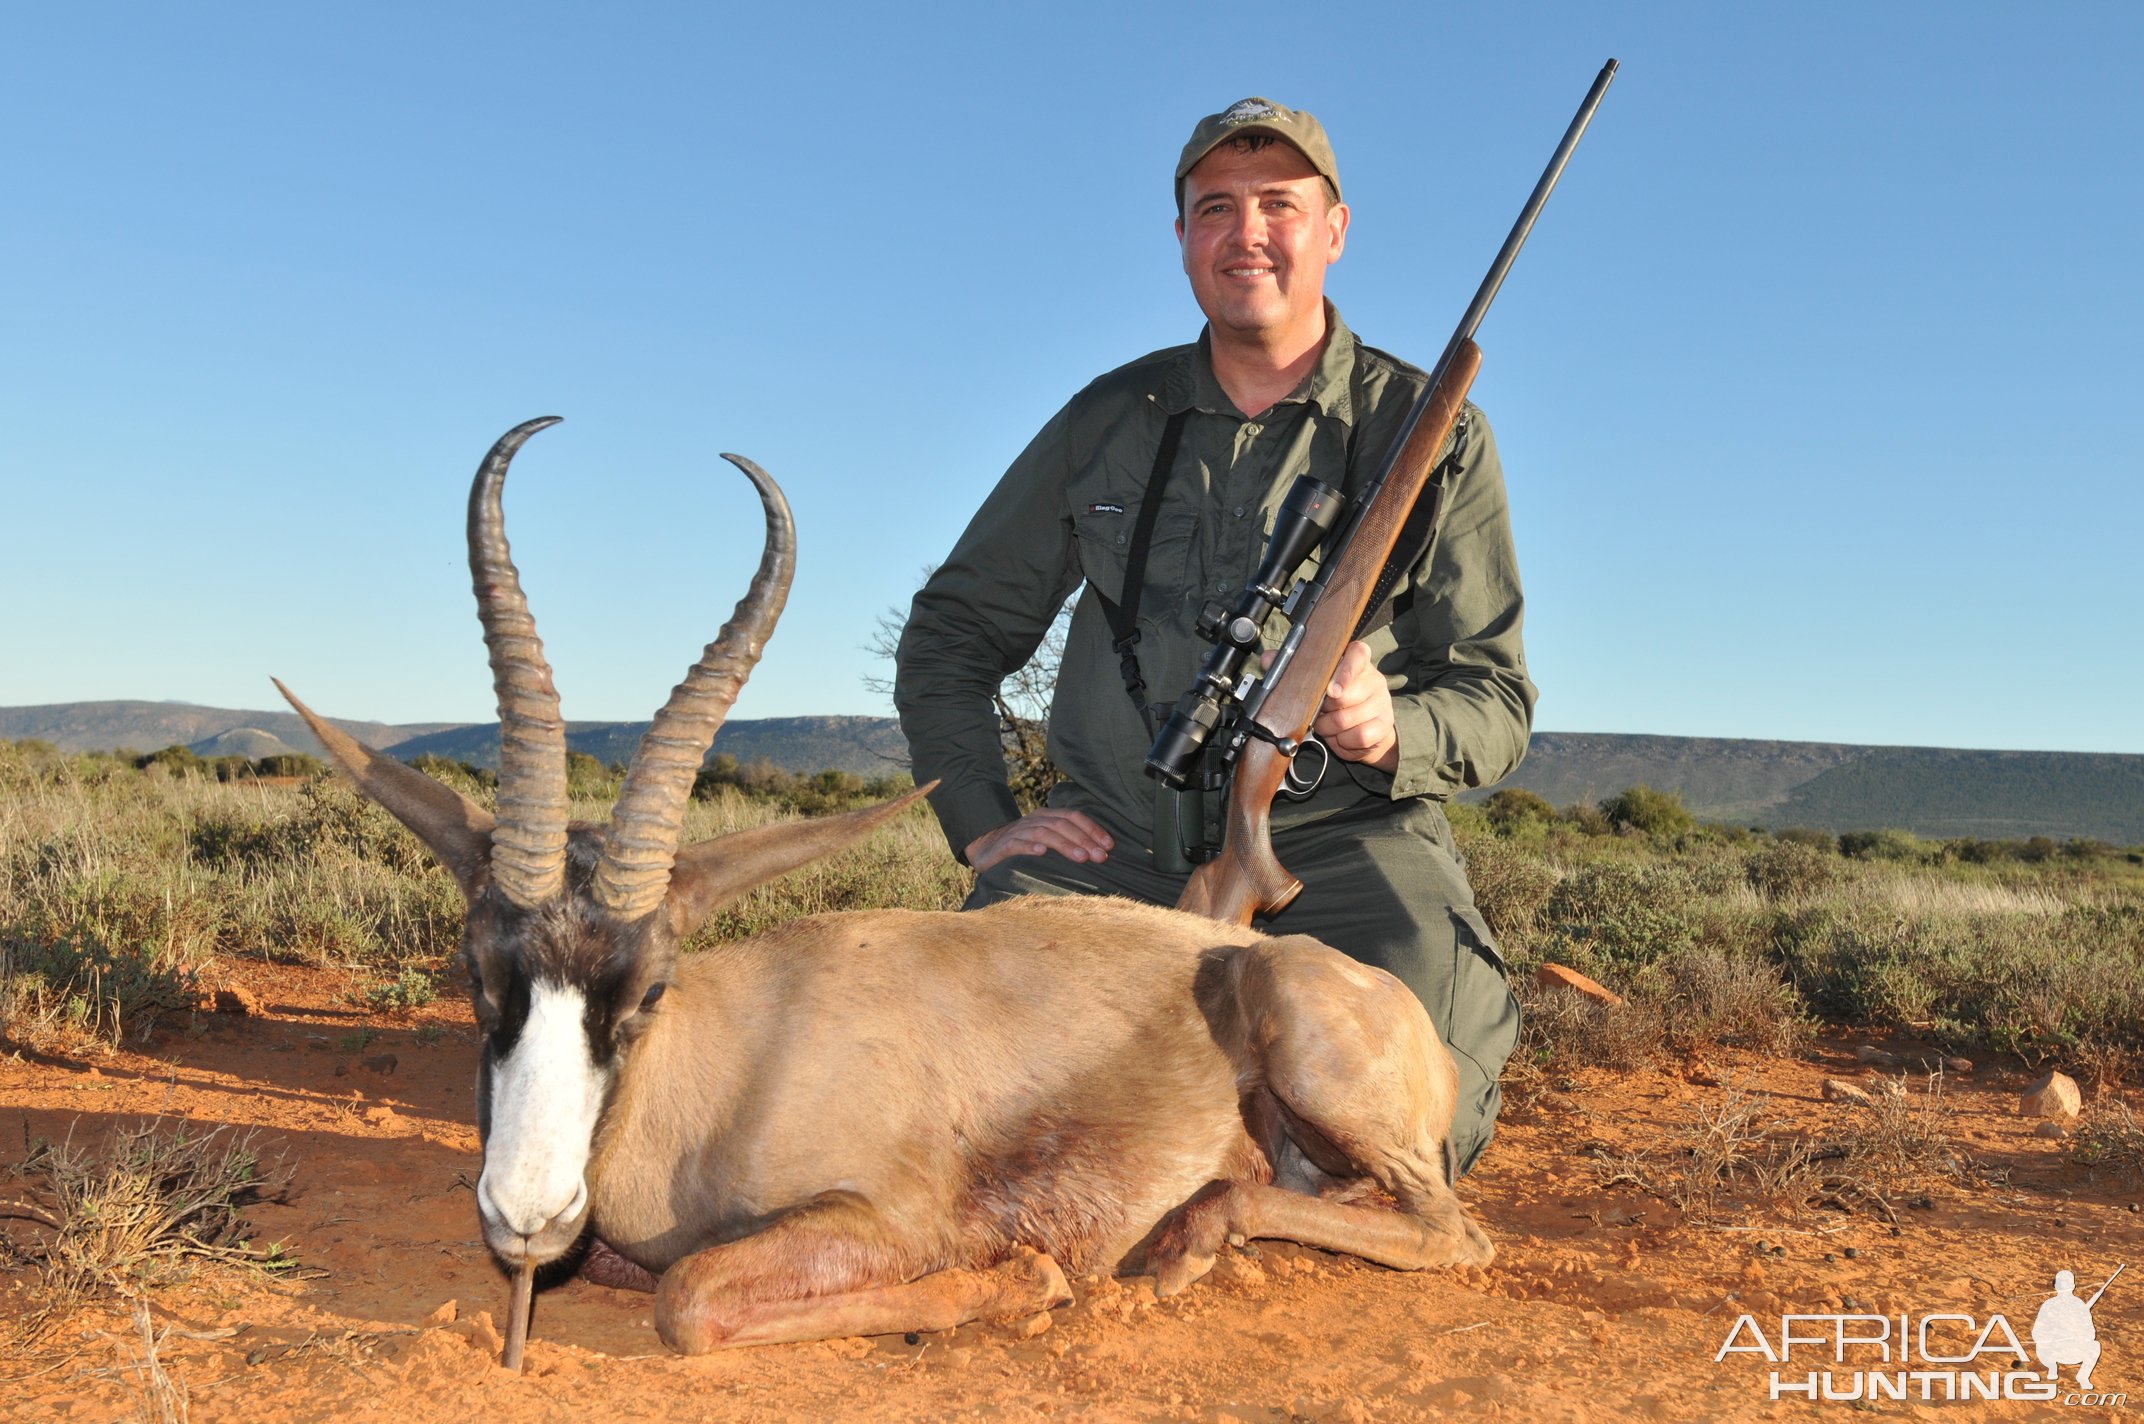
x,y
1262,116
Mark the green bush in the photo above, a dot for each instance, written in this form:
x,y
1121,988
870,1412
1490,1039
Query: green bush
x,y
1892,845
1659,814
1614,918
1514,808
1788,870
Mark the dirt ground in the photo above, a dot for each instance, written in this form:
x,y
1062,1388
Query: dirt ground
x,y
1601,1304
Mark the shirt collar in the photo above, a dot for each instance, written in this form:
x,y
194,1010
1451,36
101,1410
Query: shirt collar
x,y
1189,383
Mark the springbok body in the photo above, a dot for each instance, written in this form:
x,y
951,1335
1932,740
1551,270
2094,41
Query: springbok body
x,y
885,1120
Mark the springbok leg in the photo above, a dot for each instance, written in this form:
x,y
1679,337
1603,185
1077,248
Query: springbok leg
x,y
1185,1248
830,1269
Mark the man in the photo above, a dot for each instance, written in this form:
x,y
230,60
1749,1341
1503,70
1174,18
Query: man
x,y
1435,701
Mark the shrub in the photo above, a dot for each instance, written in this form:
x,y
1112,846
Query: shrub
x,y
1809,836
1514,807
1789,870
1588,819
1511,889
1885,845
1616,916
1659,814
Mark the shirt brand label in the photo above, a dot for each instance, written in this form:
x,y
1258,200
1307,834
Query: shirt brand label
x,y
1105,509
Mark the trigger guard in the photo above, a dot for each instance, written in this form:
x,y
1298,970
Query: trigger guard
x,y
1294,784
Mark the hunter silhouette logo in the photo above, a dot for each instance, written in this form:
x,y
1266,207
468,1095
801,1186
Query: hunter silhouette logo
x,y
1934,1356
2062,1332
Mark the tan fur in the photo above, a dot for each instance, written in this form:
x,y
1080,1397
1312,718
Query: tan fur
x,y
889,1120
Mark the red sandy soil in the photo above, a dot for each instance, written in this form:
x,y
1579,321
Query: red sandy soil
x,y
1601,1304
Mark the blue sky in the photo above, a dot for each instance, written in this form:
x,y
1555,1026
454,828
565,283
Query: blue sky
x,y
1816,387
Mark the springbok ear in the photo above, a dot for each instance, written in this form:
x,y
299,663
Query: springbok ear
x,y
455,829
713,872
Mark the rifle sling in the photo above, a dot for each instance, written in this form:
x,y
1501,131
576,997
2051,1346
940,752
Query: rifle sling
x,y
1415,538
1124,618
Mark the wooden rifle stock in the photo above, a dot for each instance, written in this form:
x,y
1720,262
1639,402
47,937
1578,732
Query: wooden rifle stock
x,y
1245,878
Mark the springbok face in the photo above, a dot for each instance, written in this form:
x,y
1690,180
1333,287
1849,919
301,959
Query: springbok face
x,y
573,929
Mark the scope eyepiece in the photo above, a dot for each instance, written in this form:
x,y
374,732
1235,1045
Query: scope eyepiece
x,y
1176,751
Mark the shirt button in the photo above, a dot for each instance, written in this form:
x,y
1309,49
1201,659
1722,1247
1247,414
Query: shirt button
x,y
1221,586
1120,538
1239,511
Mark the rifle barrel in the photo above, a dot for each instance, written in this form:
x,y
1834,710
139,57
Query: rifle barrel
x,y
1479,308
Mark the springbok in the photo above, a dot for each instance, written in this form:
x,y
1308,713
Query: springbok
x,y
882,1120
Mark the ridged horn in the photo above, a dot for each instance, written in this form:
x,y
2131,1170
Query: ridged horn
x,y
528,843
641,845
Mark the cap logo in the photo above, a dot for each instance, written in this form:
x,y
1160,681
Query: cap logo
x,y
1249,111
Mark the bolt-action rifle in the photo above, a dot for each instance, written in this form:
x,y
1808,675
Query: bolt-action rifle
x,y
1256,724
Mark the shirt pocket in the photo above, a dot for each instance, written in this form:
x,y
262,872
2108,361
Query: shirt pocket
x,y
1105,520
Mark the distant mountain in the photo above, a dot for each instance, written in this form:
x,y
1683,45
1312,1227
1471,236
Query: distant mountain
x,y
152,726
1928,790
1931,791
867,746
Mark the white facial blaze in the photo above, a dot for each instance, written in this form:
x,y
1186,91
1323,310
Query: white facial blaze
x,y
545,1096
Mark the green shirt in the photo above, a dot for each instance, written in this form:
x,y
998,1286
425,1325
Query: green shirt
x,y
1063,516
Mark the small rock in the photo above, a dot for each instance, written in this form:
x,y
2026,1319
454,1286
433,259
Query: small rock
x,y
1235,1271
1700,1072
382,1063
1557,976
1838,1090
1853,1253
2055,1095
2051,1128
1923,1202
235,1000
316,1040
1960,1066
443,1315
342,1070
380,1116
1876,1057
1034,1325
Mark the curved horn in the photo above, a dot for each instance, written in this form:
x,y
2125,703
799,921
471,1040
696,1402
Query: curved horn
x,y
528,844
641,845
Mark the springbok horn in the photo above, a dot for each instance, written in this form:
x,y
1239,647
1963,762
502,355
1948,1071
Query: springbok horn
x,y
528,843
641,845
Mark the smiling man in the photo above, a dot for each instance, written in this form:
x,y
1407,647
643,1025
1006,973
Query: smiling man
x,y
1212,435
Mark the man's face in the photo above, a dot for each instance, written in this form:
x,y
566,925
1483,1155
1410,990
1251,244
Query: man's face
x,y
1257,236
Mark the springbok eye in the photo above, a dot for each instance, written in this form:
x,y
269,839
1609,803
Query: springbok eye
x,y
648,1000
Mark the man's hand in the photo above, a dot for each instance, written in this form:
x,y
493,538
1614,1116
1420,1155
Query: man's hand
x,y
1072,834
1356,718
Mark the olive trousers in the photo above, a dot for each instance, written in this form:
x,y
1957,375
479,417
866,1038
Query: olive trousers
x,y
1382,883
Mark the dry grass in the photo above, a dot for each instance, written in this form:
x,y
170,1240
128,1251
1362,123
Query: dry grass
x,y
1920,894
156,1202
1902,1139
1730,1159
1726,1158
160,1397
2110,1139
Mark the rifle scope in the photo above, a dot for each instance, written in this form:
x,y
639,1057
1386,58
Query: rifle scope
x,y
1306,516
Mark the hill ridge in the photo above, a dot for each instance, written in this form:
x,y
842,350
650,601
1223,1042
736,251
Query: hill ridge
x,y
1837,786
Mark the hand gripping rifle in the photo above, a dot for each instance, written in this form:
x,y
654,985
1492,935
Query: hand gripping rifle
x,y
1258,724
